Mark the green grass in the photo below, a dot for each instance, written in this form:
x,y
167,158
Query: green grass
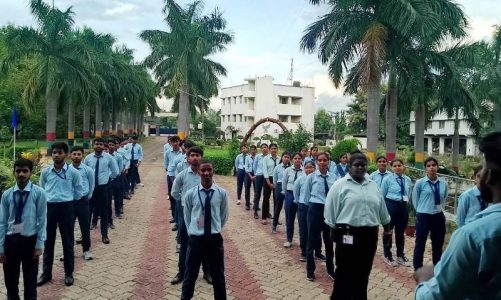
x,y
215,152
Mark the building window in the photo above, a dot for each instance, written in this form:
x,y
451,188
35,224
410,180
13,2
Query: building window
x,y
234,100
430,125
240,99
222,119
283,100
239,118
245,100
441,124
295,119
283,118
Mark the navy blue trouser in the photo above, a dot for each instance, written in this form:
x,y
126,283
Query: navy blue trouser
x,y
279,203
399,219
435,226
317,229
170,182
258,187
98,208
302,213
267,192
247,184
290,214
240,182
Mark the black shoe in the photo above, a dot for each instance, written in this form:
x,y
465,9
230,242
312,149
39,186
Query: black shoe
x,y
321,257
172,221
106,240
78,242
310,277
112,226
270,216
279,223
207,278
174,228
43,279
256,216
332,275
68,279
247,208
93,226
177,279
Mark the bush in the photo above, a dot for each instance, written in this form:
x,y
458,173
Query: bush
x,y
411,158
319,142
223,164
293,141
371,168
345,146
219,142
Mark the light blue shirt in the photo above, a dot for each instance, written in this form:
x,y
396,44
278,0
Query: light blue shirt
x,y
310,158
167,147
34,216
249,163
344,167
288,178
269,164
240,161
391,189
185,180
125,156
62,186
470,267
314,190
258,164
137,150
108,167
299,190
278,173
182,165
468,206
331,168
87,180
423,197
170,161
355,204
378,177
119,160
194,209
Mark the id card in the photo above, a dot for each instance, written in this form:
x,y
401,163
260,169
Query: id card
x,y
438,207
17,228
405,198
348,239
201,222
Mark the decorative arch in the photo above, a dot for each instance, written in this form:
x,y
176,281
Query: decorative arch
x,y
264,120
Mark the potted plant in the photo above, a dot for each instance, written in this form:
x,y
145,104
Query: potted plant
x,y
411,224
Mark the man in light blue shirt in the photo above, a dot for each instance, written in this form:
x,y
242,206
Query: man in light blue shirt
x,y
23,216
240,168
249,175
470,268
259,180
269,163
63,185
136,156
105,168
470,202
115,186
170,167
125,175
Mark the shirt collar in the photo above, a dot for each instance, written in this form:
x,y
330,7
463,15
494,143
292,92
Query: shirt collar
x,y
380,173
349,178
317,172
476,191
27,188
496,208
212,187
64,168
428,178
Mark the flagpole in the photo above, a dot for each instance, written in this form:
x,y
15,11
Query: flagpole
x,y
14,143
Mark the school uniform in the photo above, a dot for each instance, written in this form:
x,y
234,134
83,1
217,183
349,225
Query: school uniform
x,y
470,203
279,197
290,176
316,188
182,164
205,214
331,168
342,170
269,164
115,191
62,188
354,210
240,168
396,191
23,217
378,176
82,205
170,166
249,171
258,181
136,155
302,213
124,176
470,267
428,198
309,158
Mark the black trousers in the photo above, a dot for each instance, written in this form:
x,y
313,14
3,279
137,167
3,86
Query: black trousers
x,y
354,262
82,214
318,230
212,248
170,183
267,191
60,215
247,184
399,219
114,196
240,182
279,203
435,226
97,206
183,241
133,175
258,187
19,251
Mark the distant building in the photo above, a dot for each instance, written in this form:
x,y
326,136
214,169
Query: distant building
x,y
440,131
243,105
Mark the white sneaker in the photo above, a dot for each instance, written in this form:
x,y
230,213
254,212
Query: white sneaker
x,y
141,184
402,261
390,261
287,244
238,202
87,255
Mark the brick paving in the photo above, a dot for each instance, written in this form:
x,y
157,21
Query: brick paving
x,y
141,259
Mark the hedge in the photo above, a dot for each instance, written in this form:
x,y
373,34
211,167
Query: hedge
x,y
223,164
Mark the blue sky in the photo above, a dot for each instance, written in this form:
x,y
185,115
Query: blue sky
x,y
267,34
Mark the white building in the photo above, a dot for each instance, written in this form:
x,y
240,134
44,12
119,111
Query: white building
x,y
243,105
439,133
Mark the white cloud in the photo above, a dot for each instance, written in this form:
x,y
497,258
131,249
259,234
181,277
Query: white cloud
x,y
120,9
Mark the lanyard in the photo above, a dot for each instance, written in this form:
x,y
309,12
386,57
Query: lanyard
x,y
209,196
63,171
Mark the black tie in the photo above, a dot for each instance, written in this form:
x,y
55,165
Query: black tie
x,y
96,171
326,186
295,175
274,161
207,213
132,153
19,206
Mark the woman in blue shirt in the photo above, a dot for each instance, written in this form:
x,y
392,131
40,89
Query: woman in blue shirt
x,y
342,167
291,175
381,171
278,173
470,202
396,189
428,199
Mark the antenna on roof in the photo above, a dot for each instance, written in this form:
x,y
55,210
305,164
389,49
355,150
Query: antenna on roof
x,y
290,78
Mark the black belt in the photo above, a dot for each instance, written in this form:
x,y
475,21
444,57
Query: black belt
x,y
398,201
17,237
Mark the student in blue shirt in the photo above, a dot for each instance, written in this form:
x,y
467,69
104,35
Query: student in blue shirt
x,y
428,198
317,186
313,155
240,168
270,161
125,176
63,184
396,190
302,210
249,175
381,171
304,153
470,202
136,154
278,173
170,167
205,214
114,191
342,167
259,179
290,176
23,218
470,267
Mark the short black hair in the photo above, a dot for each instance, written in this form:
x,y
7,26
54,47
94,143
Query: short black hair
x,y
61,146
243,145
395,160
323,153
78,148
99,140
175,138
188,144
357,155
134,137
205,161
310,162
381,157
491,147
313,147
23,162
253,147
431,158
476,170
297,153
263,144
342,154
195,150
273,145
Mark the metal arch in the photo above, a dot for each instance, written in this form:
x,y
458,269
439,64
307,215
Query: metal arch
x,y
263,120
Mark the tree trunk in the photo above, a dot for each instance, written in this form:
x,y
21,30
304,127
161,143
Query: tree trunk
x,y
51,102
71,123
373,98
99,127
114,120
497,117
420,116
131,123
86,126
391,117
139,123
106,120
183,117
455,143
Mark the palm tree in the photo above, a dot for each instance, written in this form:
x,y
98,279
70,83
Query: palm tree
x,y
179,57
57,63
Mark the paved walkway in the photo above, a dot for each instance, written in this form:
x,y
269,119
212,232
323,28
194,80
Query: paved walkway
x,y
141,259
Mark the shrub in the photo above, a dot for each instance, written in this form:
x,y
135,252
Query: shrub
x,y
294,141
371,168
222,162
219,142
345,146
319,142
